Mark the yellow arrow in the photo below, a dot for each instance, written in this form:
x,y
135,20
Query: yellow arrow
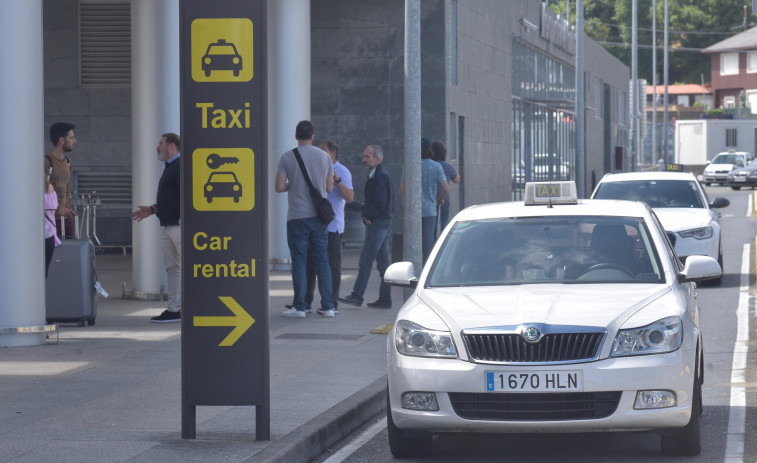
x,y
241,321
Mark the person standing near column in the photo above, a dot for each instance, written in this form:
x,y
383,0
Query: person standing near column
x,y
58,172
338,197
305,232
377,216
168,210
434,188
439,154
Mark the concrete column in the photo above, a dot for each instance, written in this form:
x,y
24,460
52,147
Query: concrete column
x,y
155,109
22,288
288,103
412,238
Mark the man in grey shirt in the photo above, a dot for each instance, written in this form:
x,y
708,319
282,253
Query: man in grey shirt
x,y
304,230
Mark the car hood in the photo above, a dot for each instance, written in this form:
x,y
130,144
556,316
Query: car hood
x,y
677,219
748,169
715,167
609,305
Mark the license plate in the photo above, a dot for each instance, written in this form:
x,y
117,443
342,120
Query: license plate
x,y
534,381
739,179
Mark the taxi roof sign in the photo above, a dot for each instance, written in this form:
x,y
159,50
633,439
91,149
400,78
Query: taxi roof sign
x,y
549,193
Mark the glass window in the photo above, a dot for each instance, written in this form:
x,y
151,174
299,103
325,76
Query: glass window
x,y
656,193
569,249
751,62
729,64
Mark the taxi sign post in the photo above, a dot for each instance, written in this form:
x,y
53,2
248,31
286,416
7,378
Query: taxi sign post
x,y
224,326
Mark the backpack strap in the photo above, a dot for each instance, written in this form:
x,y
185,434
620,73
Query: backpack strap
x,y
50,165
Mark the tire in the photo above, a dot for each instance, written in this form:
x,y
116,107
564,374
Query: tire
x,y
719,280
706,183
687,441
736,188
401,445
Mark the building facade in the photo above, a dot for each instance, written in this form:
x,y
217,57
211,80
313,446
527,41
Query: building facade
x,y
498,88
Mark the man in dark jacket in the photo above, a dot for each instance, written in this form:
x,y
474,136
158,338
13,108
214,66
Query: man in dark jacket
x,y
377,216
168,210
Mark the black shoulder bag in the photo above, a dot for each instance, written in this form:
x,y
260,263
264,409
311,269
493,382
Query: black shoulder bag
x,y
322,205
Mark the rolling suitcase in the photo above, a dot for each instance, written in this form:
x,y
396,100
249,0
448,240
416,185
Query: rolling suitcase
x,y
71,292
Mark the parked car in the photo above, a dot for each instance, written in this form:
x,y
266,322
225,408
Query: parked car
x,y
681,204
743,176
546,167
722,164
548,315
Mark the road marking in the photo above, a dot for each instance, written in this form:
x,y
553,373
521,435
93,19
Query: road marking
x,y
358,442
734,445
749,207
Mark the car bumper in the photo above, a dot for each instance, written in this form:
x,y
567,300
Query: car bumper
x,y
686,247
715,178
742,181
673,371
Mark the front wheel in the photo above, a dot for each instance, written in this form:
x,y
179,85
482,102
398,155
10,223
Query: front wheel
x,y
687,441
706,183
737,188
400,444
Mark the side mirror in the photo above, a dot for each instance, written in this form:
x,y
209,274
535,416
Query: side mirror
x,y
720,202
699,268
401,274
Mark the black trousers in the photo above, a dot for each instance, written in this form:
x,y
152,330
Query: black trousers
x,y
335,262
49,248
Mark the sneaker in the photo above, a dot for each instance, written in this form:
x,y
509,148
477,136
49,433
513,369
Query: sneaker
x,y
308,310
352,299
167,317
321,312
327,313
293,313
379,304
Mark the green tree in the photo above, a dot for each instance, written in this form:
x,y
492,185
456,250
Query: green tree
x,y
693,26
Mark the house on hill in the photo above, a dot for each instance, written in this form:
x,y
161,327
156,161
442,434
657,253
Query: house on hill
x,y
734,70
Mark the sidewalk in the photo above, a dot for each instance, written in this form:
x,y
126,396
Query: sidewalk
x,y
112,392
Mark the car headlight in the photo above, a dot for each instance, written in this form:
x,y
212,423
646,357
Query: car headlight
x,y
415,340
661,336
703,233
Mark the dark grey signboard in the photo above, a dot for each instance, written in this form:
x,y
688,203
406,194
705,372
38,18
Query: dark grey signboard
x,y
225,350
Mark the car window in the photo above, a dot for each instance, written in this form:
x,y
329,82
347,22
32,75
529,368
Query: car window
x,y
728,159
547,250
656,193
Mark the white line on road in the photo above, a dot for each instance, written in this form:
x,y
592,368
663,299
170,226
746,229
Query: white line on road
x,y
734,444
749,210
358,442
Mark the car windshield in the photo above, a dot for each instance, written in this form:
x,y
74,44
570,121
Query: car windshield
x,y
656,193
569,249
728,159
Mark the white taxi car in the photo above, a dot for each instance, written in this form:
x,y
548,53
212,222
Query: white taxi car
x,y
680,202
548,315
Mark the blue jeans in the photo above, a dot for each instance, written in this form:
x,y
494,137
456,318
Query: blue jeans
x,y
375,247
305,235
428,228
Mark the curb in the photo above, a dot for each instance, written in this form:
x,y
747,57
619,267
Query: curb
x,y
316,436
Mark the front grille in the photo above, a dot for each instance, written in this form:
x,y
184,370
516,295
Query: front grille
x,y
558,347
535,407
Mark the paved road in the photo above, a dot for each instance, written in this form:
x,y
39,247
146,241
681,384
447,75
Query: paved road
x,y
730,394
